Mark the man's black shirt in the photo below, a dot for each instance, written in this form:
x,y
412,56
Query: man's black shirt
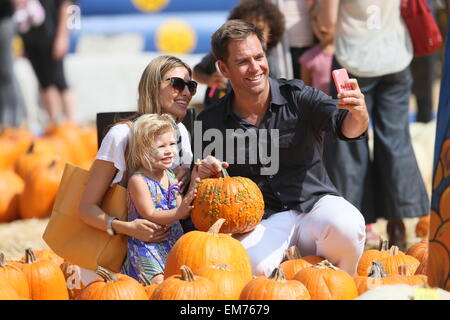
x,y
301,114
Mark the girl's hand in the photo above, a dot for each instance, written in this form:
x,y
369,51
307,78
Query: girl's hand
x,y
148,231
183,175
186,206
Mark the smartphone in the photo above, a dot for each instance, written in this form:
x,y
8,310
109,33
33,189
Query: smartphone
x,y
339,77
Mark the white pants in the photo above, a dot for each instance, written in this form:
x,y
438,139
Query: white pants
x,y
334,229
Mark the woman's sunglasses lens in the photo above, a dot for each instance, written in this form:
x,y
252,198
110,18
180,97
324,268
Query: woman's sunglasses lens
x,y
179,84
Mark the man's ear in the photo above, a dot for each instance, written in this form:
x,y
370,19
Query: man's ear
x,y
222,67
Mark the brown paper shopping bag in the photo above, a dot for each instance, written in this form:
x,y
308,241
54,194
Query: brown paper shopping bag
x,y
74,240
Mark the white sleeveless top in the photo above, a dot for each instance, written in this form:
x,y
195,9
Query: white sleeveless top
x,y
371,38
115,142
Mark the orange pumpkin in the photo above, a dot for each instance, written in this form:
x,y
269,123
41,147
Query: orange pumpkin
x,y
238,200
31,159
186,286
15,277
324,281
274,287
229,282
45,278
412,280
198,249
14,142
368,256
396,258
295,262
377,277
7,292
113,286
419,250
41,186
422,227
149,287
11,187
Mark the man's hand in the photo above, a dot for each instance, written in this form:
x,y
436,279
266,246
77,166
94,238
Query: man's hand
x,y
209,167
357,120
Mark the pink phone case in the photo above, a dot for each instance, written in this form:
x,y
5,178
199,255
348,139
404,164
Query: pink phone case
x,y
339,77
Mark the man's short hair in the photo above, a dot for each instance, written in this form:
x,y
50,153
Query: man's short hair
x,y
234,29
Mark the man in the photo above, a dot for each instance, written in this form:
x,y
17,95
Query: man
x,y
302,207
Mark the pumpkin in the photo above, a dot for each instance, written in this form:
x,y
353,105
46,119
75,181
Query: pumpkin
x,y
149,287
186,286
14,142
14,277
324,281
228,281
7,292
295,262
377,277
412,280
11,187
45,278
368,256
197,249
41,186
419,250
422,227
395,259
404,292
238,200
274,287
113,286
74,281
31,159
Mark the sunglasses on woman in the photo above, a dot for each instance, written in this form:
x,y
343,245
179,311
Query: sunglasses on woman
x,y
179,84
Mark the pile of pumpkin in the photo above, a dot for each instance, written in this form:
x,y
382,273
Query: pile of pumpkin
x,y
31,166
214,266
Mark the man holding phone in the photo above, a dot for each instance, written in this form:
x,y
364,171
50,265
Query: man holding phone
x,y
302,207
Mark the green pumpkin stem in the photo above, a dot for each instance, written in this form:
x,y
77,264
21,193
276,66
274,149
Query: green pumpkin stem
x,y
393,251
187,274
30,257
325,264
377,270
215,228
107,275
278,275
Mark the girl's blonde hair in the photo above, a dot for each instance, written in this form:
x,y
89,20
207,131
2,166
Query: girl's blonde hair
x,y
142,137
151,79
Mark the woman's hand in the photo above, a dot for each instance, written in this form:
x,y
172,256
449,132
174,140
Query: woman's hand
x,y
147,231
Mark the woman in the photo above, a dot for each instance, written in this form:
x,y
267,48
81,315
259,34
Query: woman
x,y
165,87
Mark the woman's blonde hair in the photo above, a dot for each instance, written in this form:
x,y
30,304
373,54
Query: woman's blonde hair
x,y
142,137
151,79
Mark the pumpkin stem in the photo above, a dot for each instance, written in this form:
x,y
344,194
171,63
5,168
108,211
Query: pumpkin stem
x,y
403,270
215,228
393,251
107,275
384,245
278,275
293,253
144,279
2,259
187,274
225,172
325,264
377,270
30,257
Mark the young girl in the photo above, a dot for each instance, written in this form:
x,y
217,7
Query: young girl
x,y
153,193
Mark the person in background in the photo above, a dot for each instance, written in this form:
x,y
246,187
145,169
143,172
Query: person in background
x,y
262,13
298,29
316,62
45,47
12,110
373,44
